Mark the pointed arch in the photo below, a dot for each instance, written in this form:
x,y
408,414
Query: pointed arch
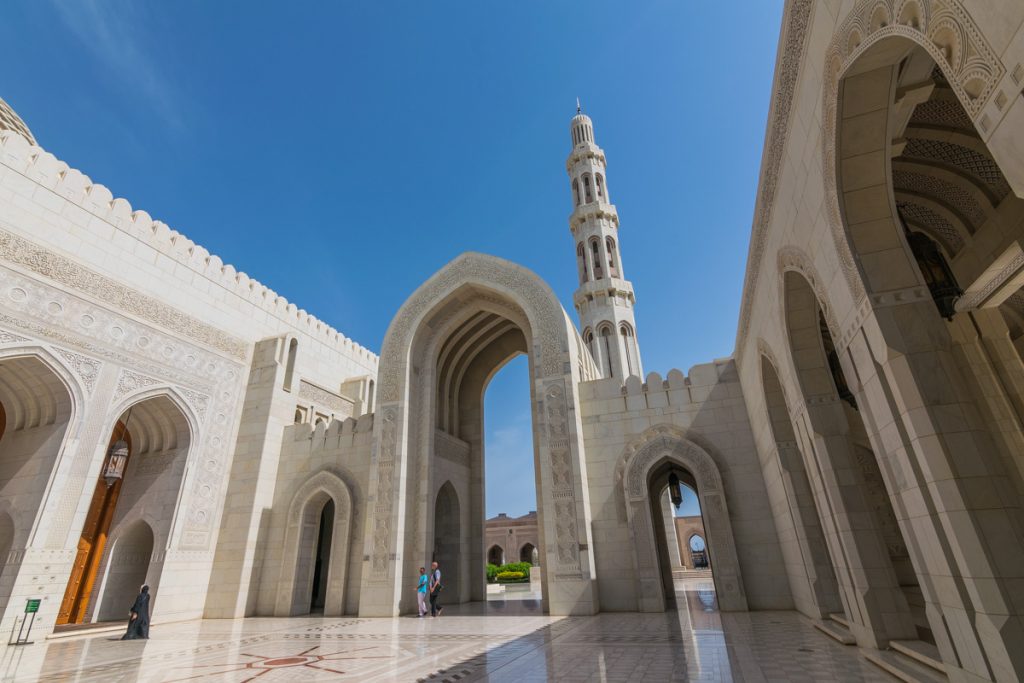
x,y
476,311
656,448
303,522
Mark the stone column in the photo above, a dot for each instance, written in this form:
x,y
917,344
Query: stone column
x,y
957,505
670,532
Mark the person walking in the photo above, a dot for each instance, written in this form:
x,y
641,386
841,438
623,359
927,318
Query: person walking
x,y
138,617
435,590
421,592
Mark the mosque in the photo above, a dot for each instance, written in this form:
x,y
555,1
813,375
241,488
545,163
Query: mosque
x,y
858,457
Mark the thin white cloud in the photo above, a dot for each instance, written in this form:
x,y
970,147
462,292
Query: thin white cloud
x,y
117,34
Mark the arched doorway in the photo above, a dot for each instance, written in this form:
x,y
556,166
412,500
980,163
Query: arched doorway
x,y
315,557
126,570
816,592
322,557
37,405
699,552
846,477
528,554
139,486
443,347
659,455
448,551
496,556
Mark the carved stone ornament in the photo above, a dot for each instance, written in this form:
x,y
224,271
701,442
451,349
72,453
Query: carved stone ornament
x,y
14,249
87,369
547,319
942,27
325,398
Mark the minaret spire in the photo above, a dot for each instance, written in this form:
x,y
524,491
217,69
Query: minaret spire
x,y
604,299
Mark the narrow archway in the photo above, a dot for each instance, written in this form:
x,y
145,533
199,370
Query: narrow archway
x,y
322,558
527,553
139,483
812,574
126,570
37,405
313,571
861,524
448,539
645,469
496,556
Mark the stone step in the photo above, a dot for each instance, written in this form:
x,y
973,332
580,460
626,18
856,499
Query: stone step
x,y
923,652
840,619
903,667
834,630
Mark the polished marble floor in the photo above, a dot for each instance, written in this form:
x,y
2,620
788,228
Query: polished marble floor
x,y
491,641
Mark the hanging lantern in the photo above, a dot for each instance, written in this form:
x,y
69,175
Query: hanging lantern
x,y
116,461
675,491
117,458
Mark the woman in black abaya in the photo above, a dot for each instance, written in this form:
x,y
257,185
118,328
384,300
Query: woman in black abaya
x,y
138,617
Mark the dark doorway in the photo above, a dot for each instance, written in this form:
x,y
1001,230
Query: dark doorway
x,y
323,554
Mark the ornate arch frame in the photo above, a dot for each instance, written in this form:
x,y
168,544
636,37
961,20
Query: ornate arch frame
x,y
658,445
69,447
949,34
182,503
398,450
311,495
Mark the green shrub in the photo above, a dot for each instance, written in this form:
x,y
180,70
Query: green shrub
x,y
523,567
492,572
509,577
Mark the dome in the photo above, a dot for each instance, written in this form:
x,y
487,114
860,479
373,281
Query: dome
x,y
11,121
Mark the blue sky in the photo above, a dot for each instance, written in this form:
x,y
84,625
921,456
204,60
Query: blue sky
x,y
342,152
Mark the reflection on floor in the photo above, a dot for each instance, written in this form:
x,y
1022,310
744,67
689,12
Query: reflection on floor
x,y
476,642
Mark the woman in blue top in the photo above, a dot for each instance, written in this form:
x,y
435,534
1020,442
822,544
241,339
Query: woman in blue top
x,y
421,592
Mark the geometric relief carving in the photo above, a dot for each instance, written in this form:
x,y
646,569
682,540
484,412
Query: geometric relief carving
x,y
791,55
87,369
10,338
14,249
563,488
937,226
129,382
958,198
967,161
385,484
325,398
144,353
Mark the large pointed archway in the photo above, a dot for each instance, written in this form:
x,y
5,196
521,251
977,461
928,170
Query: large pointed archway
x,y
442,348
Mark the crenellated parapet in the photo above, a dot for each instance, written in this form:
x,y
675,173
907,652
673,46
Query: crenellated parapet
x,y
333,436
46,170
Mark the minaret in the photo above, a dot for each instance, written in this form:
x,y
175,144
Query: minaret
x,y
604,300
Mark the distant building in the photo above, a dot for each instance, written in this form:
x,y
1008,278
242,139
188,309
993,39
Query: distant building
x,y
693,553
512,539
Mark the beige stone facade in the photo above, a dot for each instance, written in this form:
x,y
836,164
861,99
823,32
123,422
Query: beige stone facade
x,y
860,454
512,539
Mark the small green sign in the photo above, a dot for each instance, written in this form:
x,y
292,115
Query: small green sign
x,y
32,606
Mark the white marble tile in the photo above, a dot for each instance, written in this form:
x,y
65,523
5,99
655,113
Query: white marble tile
x,y
493,641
